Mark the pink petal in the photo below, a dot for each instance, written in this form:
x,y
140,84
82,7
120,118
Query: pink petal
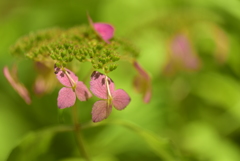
x,y
120,99
101,110
64,78
20,88
66,98
82,91
105,31
98,85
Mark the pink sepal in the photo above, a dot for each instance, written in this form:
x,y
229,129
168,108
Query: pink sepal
x,y
66,98
120,99
101,110
82,91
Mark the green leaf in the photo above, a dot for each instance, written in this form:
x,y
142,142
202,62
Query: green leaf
x,y
102,157
219,89
35,144
160,146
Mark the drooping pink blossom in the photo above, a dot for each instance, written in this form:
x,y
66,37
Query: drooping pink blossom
x,y
19,87
104,30
142,82
74,88
103,87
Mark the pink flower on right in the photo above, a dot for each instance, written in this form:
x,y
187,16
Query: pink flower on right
x,y
103,87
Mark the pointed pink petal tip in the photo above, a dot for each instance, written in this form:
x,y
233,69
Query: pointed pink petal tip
x,y
65,76
120,99
19,88
101,110
66,98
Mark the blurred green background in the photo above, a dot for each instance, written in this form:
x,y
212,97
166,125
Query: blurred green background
x,y
194,114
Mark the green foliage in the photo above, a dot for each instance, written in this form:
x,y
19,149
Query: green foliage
x,y
35,144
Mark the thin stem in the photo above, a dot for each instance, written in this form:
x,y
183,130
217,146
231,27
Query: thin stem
x,y
78,135
108,89
87,76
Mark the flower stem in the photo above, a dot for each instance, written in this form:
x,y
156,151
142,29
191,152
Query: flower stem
x,y
78,135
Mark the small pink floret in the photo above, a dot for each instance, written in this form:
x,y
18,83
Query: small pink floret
x,y
104,30
74,88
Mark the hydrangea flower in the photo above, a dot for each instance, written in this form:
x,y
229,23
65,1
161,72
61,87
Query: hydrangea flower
x,y
74,88
142,82
19,87
103,87
104,30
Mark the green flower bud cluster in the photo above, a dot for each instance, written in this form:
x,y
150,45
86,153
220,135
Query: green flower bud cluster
x,y
80,43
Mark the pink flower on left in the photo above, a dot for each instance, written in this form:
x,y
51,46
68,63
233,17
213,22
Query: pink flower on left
x,y
73,88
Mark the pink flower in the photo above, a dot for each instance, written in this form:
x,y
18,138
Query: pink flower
x,y
19,87
103,87
142,83
104,30
74,88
